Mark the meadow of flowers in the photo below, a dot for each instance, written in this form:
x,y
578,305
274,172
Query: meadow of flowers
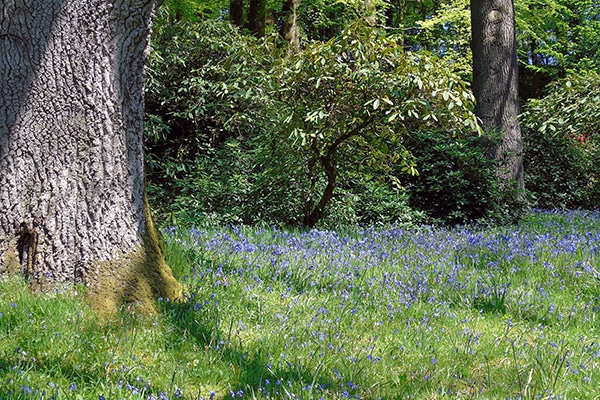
x,y
380,313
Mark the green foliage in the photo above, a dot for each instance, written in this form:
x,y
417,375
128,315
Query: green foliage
x,y
209,105
557,38
457,182
239,133
203,88
562,144
195,10
565,32
447,32
324,19
347,104
365,200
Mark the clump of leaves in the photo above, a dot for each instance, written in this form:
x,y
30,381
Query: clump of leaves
x,y
562,144
200,80
457,183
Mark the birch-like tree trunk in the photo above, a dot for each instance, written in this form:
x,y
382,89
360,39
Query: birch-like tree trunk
x,y
495,84
289,24
72,205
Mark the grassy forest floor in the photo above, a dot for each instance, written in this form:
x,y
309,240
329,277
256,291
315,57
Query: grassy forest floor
x,y
477,312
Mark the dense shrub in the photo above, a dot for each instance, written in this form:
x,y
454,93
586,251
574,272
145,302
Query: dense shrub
x,y
367,201
457,180
562,144
238,133
203,87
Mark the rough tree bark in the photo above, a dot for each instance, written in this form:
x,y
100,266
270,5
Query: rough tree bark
x,y
72,204
495,85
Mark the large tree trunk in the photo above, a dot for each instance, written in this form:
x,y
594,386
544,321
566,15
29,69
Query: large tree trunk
x,y
495,84
72,205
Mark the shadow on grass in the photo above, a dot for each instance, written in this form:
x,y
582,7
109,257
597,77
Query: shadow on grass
x,y
252,371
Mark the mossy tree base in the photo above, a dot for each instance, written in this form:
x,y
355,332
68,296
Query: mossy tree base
x,y
138,278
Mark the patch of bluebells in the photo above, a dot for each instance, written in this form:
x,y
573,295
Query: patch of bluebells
x,y
390,271
400,277
131,391
440,261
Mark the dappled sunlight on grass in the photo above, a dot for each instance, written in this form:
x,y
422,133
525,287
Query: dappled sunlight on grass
x,y
423,312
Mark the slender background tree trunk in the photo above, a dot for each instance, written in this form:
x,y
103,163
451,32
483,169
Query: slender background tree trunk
x,y
257,17
72,205
289,24
495,84
236,12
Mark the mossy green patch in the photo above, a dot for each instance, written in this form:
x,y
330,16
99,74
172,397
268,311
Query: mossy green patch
x,y
135,279
10,264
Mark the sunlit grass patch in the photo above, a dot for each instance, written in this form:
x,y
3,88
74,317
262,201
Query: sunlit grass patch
x,y
425,312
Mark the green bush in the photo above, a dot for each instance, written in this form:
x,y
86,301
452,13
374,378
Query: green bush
x,y
457,181
238,133
203,93
562,144
366,201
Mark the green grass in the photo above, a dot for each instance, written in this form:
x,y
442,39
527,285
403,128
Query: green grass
x,y
419,313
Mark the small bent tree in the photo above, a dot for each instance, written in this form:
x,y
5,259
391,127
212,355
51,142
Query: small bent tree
x,y
347,103
72,204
